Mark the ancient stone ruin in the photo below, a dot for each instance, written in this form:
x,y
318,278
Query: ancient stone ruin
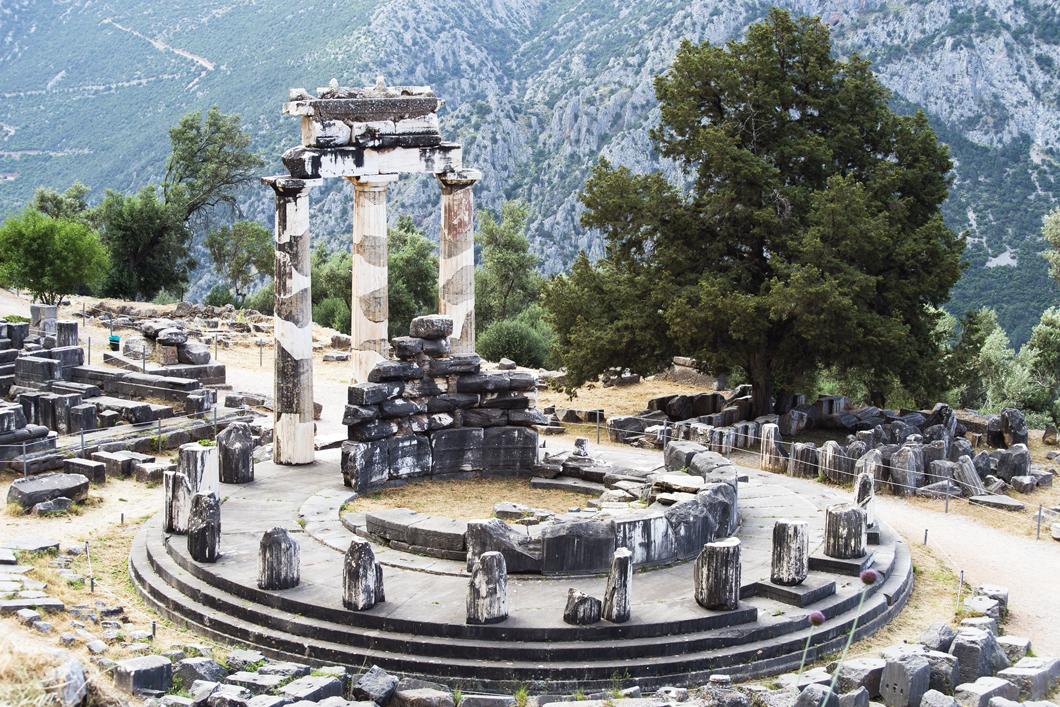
x,y
368,136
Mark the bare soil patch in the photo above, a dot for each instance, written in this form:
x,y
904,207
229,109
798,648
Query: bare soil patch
x,y
469,499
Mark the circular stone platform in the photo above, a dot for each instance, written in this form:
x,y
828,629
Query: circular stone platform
x,y
420,629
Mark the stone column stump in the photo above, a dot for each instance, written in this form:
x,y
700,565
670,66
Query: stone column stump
x,y
236,444
199,463
774,458
176,494
803,463
864,490
791,553
618,597
278,560
845,535
487,591
717,575
362,577
204,528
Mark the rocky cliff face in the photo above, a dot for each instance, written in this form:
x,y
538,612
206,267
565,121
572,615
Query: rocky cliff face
x,y
537,91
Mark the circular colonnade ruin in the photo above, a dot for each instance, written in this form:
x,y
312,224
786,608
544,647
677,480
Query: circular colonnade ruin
x,y
710,572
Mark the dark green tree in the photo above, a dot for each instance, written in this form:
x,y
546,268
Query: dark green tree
x,y
209,161
242,253
412,276
148,243
507,280
50,257
964,359
809,235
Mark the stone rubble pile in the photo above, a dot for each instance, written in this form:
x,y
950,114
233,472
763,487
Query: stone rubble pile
x,y
917,454
432,413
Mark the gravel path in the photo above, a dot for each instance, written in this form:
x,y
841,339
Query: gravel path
x,y
1029,568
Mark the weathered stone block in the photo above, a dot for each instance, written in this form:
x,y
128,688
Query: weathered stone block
x,y
487,592
408,456
495,535
577,547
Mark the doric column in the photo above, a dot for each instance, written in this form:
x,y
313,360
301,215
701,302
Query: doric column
x,y
293,323
368,305
456,260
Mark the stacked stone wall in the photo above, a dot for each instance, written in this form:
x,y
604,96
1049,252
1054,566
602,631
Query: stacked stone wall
x,y
430,413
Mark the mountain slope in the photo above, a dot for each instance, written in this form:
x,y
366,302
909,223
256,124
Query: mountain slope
x,y
537,91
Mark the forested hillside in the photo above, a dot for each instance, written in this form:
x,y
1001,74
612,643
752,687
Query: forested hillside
x,y
537,92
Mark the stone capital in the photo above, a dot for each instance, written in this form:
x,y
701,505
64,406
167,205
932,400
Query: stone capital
x,y
459,178
375,182
287,185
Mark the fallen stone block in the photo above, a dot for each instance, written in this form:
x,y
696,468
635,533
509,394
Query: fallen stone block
x,y
149,673
29,491
980,692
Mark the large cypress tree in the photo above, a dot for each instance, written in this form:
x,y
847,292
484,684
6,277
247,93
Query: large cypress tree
x,y
807,230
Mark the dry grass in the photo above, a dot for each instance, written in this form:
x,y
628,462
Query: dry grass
x,y
466,499
618,400
934,599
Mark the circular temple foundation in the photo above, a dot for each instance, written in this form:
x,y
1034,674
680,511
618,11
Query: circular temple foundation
x,y
421,629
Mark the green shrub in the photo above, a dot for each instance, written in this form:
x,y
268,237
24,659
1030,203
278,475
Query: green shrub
x,y
219,296
333,312
514,339
165,297
263,300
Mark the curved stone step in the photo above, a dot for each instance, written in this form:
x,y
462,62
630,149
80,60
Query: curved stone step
x,y
505,665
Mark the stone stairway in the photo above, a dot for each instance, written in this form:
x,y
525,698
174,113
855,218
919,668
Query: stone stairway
x,y
309,624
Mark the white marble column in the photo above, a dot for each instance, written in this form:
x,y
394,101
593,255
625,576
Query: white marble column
x,y
293,377
368,308
456,261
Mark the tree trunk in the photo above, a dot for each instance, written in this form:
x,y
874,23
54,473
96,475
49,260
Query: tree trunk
x,y
878,398
761,386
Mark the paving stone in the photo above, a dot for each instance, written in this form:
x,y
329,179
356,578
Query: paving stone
x,y
905,679
144,673
1014,647
1033,676
376,685
313,687
979,692
257,683
423,697
860,672
241,659
206,669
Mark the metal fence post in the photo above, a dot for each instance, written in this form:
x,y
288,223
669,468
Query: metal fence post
x,y
25,473
215,421
1038,533
160,435
90,350
143,361
83,445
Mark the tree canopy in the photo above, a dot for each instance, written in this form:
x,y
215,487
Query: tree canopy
x,y
242,254
50,257
809,233
412,277
507,280
148,243
209,161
